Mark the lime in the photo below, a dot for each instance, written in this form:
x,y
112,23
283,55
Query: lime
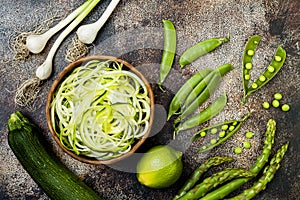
x,y
160,167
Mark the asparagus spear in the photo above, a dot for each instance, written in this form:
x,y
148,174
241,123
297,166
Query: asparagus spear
x,y
267,176
216,179
189,184
226,189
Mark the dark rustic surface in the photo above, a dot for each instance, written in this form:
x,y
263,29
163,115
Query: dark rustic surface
x,y
134,32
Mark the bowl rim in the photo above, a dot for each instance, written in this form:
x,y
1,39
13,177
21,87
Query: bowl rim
x,y
70,67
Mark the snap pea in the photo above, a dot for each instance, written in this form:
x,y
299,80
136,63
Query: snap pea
x,y
189,108
168,52
185,89
273,68
201,49
226,189
224,131
213,109
249,50
213,181
267,176
194,178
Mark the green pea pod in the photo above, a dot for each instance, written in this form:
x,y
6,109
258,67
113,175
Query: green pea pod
x,y
185,89
197,119
169,50
201,49
219,132
274,67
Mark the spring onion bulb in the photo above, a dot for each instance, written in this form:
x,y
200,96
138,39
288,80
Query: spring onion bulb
x,y
87,33
35,43
44,71
100,110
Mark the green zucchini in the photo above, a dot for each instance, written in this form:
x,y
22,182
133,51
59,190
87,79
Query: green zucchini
x,y
46,170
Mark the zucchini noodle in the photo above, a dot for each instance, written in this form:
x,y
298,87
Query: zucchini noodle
x,y
100,110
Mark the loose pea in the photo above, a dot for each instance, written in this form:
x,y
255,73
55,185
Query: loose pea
x,y
247,77
250,52
214,130
262,78
248,66
278,58
204,147
249,134
231,128
224,127
238,150
222,134
213,141
278,96
254,85
275,103
271,69
247,145
203,134
266,105
285,107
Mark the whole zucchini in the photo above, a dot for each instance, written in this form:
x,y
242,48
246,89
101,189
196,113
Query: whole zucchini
x,y
46,170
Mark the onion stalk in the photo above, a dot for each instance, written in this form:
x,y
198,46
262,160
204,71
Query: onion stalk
x,y
100,110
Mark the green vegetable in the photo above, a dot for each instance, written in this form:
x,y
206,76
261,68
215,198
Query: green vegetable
x,y
47,171
275,103
200,96
185,90
224,132
201,49
216,179
87,33
267,176
247,145
249,134
266,105
197,119
278,96
226,189
194,178
285,107
100,110
275,65
169,50
238,150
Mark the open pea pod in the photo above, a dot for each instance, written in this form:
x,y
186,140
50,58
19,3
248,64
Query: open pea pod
x,y
218,133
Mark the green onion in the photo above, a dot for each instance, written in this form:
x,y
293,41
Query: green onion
x,y
100,110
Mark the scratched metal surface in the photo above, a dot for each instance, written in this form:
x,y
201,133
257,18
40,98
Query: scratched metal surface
x,y
134,32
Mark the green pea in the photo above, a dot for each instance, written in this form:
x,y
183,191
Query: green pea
x,y
254,85
224,127
231,128
203,134
234,123
285,107
278,58
249,134
247,77
271,69
278,96
204,147
238,150
250,52
222,134
248,66
247,145
213,141
275,103
214,130
262,78
266,105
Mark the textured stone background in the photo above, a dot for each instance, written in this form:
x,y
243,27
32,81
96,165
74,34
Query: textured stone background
x,y
134,32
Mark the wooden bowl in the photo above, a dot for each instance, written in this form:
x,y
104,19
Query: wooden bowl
x,y
65,72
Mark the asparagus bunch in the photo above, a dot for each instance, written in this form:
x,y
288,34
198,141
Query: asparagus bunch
x,y
213,181
267,176
189,184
